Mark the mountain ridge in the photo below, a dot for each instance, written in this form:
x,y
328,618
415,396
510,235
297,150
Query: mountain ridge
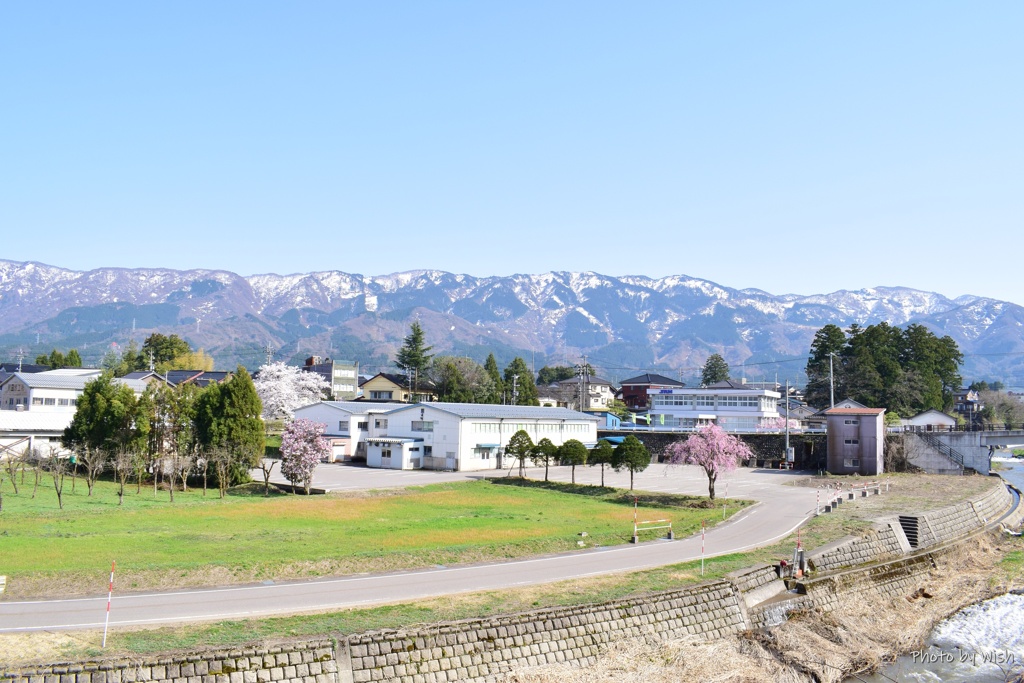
x,y
630,322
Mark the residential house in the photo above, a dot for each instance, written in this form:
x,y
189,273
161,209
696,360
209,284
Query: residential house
x,y
733,406
856,437
349,425
818,421
634,391
931,420
597,394
798,412
469,436
149,377
341,375
385,386
967,403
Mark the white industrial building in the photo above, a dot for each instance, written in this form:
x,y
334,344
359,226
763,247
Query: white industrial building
x,y
442,436
733,406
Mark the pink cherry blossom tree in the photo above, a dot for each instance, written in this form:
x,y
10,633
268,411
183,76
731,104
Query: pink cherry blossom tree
x,y
302,447
710,448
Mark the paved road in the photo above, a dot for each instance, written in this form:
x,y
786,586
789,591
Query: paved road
x,y
782,509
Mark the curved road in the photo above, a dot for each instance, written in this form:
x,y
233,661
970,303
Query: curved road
x,y
781,509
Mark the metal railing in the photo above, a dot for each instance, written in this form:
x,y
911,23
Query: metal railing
x,y
945,449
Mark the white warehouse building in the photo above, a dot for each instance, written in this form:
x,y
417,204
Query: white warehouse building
x,y
444,436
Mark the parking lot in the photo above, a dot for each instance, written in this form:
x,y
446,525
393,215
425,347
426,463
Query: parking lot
x,y
756,484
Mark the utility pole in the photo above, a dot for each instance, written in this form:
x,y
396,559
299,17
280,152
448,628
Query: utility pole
x,y
831,382
270,353
515,390
21,355
787,422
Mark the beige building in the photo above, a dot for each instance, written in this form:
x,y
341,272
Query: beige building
x,y
856,440
385,386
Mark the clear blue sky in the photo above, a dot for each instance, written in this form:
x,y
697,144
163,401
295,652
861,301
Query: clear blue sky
x,y
794,147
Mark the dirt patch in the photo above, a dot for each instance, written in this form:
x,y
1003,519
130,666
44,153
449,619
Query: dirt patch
x,y
907,492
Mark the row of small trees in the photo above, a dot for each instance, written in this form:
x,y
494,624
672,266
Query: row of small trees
x,y
630,455
710,448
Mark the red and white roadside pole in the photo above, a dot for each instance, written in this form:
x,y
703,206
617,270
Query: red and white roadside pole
x,y
702,548
110,595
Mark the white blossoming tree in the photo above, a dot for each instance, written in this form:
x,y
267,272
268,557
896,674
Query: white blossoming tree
x,y
303,446
283,388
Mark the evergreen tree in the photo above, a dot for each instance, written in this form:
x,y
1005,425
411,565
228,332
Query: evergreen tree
x,y
73,359
163,350
715,370
108,419
602,454
904,371
243,429
56,359
522,391
827,341
413,358
544,453
551,374
491,366
460,380
519,446
228,420
631,455
574,453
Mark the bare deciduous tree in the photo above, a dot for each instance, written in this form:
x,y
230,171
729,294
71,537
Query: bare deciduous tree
x,y
124,462
266,466
95,461
58,470
13,460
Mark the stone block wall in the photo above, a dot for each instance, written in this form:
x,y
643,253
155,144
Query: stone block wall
x,y
990,506
485,648
307,661
877,544
752,578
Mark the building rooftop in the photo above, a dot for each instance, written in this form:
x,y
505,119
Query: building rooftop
x,y
359,406
651,378
491,410
854,411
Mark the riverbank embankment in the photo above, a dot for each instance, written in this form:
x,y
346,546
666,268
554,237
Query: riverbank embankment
x,y
830,625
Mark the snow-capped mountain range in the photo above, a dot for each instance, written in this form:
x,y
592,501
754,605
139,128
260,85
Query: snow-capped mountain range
x,y
625,325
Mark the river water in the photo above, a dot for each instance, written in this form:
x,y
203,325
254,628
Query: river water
x,y
981,643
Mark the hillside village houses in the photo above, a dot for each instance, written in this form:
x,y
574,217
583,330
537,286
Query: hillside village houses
x,y
441,436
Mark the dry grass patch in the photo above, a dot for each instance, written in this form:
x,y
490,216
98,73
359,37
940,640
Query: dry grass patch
x,y
869,631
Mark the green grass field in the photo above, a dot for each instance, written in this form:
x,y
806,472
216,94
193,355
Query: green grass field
x,y
244,537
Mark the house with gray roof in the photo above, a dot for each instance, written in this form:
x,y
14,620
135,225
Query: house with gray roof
x,y
54,391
